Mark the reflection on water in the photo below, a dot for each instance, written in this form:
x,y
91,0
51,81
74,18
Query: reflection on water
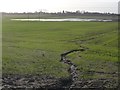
x,y
68,19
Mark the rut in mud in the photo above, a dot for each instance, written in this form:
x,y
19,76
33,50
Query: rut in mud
x,y
73,67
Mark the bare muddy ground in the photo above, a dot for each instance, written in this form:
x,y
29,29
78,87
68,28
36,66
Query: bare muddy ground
x,y
29,81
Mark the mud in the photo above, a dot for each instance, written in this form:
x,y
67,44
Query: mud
x,y
33,82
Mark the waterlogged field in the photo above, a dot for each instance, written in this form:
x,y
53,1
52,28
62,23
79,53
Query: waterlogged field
x,y
35,48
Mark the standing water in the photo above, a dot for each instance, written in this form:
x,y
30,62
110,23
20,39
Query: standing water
x,y
68,19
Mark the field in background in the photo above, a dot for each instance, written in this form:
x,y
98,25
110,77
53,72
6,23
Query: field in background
x,y
35,48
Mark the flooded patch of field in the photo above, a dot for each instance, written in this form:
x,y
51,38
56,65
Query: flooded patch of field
x,y
68,19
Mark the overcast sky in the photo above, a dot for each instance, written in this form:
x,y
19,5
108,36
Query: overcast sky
x,y
59,5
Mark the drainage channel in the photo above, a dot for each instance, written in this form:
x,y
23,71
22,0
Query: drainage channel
x,y
72,67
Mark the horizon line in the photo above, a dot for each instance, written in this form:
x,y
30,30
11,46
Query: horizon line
x,y
81,11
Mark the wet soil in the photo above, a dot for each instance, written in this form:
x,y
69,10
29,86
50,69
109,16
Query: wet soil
x,y
23,82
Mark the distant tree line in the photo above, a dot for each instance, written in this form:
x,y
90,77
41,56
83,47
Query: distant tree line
x,y
82,13
78,12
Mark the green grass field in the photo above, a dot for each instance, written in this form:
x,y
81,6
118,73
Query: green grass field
x,y
35,48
